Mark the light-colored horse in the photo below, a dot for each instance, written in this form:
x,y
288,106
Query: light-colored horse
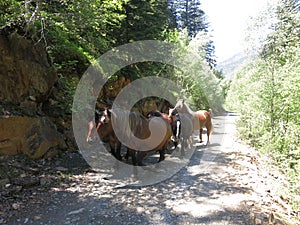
x,y
201,118
183,130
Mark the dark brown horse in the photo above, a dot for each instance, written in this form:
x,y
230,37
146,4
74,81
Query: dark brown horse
x,y
201,118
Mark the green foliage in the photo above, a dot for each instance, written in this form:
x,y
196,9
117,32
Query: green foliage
x,y
10,11
198,80
144,20
76,32
65,93
267,91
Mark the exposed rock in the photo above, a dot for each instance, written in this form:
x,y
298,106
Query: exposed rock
x,y
26,73
35,137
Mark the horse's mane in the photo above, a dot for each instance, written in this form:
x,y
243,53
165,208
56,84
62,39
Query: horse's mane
x,y
136,122
185,108
128,122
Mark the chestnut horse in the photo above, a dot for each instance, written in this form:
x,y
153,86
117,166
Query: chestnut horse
x,y
174,122
107,134
201,118
131,125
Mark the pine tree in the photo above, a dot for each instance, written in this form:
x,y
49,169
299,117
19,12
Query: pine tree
x,y
144,20
189,15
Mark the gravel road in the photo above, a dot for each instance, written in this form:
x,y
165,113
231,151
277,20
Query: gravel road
x,y
221,184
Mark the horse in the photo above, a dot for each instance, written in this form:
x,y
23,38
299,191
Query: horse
x,y
157,113
183,129
92,128
106,133
138,126
200,119
174,122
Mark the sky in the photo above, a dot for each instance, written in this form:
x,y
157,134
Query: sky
x,y
228,20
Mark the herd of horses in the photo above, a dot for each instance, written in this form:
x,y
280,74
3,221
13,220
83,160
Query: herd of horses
x,y
180,124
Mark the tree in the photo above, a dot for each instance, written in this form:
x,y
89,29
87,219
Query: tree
x,y
265,92
189,15
144,20
281,43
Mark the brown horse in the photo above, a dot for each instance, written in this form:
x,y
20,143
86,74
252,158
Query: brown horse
x,y
157,113
132,127
201,118
174,125
107,134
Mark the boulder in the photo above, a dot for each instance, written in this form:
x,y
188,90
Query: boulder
x,y
35,137
26,72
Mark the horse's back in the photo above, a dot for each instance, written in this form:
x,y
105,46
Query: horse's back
x,y
186,125
203,114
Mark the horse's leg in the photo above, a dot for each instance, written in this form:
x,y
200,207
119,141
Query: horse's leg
x,y
177,133
200,134
209,128
96,128
175,142
112,146
173,139
115,146
133,156
140,156
90,128
161,154
127,154
118,150
208,133
183,142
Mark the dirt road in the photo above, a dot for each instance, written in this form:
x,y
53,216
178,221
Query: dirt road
x,y
221,184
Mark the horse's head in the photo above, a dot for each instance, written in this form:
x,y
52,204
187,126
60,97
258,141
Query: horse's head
x,y
104,116
172,112
104,127
175,124
180,105
155,113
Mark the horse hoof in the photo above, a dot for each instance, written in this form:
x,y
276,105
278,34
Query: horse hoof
x,y
91,140
160,160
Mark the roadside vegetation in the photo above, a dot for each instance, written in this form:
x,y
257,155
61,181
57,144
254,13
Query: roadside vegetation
x,y
266,92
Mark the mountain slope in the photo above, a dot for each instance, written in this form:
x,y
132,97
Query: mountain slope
x,y
231,65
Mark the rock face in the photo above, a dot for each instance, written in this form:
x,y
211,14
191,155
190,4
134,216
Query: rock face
x,y
35,137
27,79
25,70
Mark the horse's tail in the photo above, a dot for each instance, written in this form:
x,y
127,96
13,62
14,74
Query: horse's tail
x,y
209,122
211,128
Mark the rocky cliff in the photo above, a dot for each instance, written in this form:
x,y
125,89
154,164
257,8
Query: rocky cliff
x,y
27,79
25,73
